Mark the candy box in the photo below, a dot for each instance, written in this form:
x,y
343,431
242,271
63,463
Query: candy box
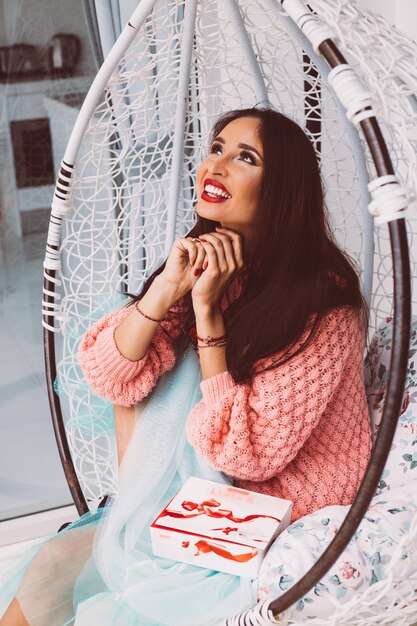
x,y
219,526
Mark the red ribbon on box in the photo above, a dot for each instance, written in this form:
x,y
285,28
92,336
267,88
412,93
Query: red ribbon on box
x,y
208,507
204,547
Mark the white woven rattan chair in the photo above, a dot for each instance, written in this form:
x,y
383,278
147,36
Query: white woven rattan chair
x,y
125,190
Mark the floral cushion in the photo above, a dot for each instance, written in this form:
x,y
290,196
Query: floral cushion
x,y
365,561
401,466
372,549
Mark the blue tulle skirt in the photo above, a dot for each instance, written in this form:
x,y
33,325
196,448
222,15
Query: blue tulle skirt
x,y
100,569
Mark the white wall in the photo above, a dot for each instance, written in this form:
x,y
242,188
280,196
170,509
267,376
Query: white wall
x,y
386,8
406,17
401,13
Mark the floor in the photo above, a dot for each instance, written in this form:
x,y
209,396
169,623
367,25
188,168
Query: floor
x,y
31,476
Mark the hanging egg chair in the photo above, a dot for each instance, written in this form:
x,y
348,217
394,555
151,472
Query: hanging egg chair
x,y
126,190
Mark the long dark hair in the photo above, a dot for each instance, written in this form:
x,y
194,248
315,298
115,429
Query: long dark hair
x,y
294,269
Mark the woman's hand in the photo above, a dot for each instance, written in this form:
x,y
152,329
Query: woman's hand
x,y
224,258
184,265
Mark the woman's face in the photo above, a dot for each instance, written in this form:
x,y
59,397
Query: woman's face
x,y
228,180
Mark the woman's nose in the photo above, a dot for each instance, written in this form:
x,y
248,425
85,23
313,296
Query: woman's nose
x,y
218,165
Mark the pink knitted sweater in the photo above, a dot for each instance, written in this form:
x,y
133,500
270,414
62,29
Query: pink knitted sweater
x,y
300,431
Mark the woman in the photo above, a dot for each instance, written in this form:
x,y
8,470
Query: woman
x,y
278,320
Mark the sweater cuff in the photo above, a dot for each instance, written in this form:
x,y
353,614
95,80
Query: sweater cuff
x,y
215,387
111,360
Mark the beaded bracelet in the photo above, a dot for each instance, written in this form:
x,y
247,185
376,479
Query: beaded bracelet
x,y
147,316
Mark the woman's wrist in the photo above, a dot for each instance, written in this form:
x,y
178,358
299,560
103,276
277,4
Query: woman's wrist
x,y
159,298
134,334
209,322
206,310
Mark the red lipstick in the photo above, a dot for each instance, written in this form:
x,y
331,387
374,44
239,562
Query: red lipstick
x,y
208,198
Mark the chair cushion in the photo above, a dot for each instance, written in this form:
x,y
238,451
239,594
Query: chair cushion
x,y
365,561
401,466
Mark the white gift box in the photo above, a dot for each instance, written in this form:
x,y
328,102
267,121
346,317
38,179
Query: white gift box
x,y
219,526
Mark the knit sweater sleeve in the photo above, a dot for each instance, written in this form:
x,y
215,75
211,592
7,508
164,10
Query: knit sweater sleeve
x,y
114,377
252,431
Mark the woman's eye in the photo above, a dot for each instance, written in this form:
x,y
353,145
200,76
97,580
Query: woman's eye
x,y
246,156
216,149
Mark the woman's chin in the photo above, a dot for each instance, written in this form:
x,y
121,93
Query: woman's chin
x,y
208,212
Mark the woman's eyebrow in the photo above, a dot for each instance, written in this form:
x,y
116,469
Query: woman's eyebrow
x,y
244,146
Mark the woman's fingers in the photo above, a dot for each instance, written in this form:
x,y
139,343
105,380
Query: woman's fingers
x,y
199,262
211,261
221,267
190,247
237,243
223,249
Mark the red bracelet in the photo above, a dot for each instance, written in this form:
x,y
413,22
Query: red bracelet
x,y
210,340
193,332
147,316
213,345
206,340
